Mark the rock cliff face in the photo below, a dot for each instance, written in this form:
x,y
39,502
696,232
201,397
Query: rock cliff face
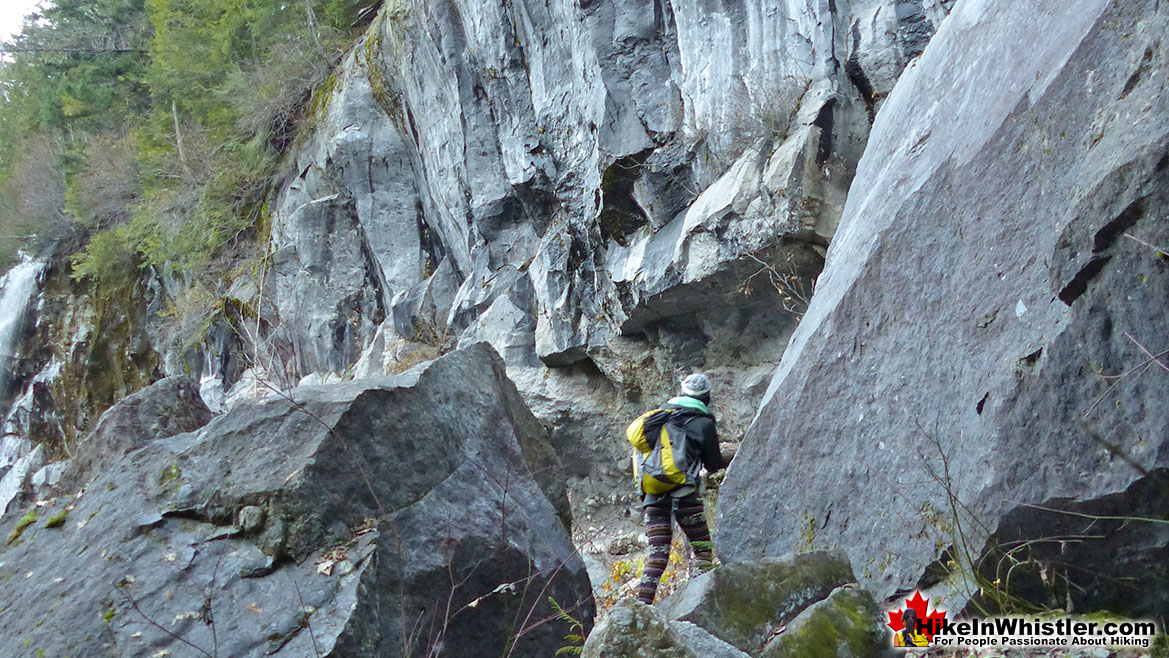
x,y
610,193
979,349
393,517
551,177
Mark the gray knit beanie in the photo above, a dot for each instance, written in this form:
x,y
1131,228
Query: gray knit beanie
x,y
696,385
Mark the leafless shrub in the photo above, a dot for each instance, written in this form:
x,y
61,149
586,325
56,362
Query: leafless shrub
x,y
104,191
32,198
769,105
760,107
35,190
269,97
795,292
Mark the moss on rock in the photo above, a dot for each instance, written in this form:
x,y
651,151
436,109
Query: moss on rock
x,y
25,522
845,624
57,520
741,603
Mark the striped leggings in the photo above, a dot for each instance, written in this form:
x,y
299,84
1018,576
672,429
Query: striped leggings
x,y
659,531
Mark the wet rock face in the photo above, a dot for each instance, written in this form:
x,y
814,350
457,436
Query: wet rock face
x,y
84,351
388,517
992,279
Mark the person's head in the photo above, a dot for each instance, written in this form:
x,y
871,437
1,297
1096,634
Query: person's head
x,y
697,386
909,618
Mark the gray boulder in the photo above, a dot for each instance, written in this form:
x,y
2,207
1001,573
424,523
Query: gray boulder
x,y
635,630
801,605
168,407
703,643
847,624
978,349
744,603
401,516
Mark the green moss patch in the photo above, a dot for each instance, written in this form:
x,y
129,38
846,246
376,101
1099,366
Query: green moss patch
x,y
25,522
57,520
169,474
742,603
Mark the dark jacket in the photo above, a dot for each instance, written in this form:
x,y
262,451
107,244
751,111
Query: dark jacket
x,y
701,440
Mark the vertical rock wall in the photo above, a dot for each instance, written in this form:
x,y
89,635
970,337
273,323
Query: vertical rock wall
x,y
593,188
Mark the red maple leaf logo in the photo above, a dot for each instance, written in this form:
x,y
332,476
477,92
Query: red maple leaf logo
x,y
931,622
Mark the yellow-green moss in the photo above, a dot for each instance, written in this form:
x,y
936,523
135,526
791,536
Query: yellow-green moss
x,y
114,363
169,473
749,599
57,520
28,520
807,534
847,618
320,100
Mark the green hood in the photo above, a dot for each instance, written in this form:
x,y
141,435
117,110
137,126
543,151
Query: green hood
x,y
689,403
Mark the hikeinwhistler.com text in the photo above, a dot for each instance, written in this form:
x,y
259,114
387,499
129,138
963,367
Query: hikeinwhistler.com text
x,y
1021,631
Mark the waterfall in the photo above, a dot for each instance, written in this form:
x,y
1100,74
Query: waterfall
x,y
17,289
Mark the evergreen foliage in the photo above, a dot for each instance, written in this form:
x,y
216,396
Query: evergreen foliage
x,y
151,129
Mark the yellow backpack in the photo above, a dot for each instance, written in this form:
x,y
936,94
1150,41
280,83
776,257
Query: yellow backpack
x,y
661,463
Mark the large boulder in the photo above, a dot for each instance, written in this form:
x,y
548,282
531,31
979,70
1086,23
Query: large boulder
x,y
801,605
387,517
635,630
168,407
744,604
844,625
975,374
703,643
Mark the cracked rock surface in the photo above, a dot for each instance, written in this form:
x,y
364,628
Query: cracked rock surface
x,y
341,522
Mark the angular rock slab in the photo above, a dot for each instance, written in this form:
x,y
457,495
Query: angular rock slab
x,y
743,603
979,286
383,517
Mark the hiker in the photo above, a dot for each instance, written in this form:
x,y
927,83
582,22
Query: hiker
x,y
683,498
911,635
